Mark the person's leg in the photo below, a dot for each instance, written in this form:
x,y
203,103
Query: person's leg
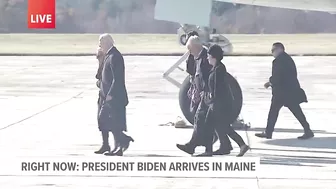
x,y
118,149
118,117
235,136
299,115
199,123
271,120
215,138
207,134
238,139
225,143
105,146
101,119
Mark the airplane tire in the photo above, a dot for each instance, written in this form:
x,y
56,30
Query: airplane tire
x,y
183,39
184,100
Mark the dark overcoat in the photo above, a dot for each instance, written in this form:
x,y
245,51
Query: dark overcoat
x,y
198,68
286,88
203,135
219,97
113,112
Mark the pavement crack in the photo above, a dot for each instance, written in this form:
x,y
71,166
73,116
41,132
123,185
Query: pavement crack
x,y
42,111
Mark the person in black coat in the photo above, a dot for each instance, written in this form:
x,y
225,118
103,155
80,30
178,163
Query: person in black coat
x,y
193,93
113,99
202,135
286,91
220,102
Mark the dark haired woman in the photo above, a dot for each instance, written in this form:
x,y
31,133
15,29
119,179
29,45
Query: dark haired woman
x,y
220,102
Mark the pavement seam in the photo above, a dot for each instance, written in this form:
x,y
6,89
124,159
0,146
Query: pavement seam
x,y
249,144
42,111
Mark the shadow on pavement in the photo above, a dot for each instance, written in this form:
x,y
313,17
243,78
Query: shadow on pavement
x,y
261,129
296,150
317,142
308,161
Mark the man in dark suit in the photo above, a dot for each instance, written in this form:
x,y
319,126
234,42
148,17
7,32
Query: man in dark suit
x,y
286,91
113,99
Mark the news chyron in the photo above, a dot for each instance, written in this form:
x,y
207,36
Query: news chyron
x,y
134,166
41,14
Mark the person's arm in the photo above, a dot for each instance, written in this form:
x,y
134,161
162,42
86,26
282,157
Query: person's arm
x,y
201,80
205,69
220,80
191,65
276,77
118,72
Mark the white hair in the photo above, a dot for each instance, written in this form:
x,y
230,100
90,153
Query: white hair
x,y
106,37
194,41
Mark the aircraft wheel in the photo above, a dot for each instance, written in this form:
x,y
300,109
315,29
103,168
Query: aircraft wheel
x,y
183,39
184,100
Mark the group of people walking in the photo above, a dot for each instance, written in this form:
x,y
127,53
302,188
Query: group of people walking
x,y
211,98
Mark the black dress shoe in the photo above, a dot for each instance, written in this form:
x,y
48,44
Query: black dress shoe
x,y
221,152
116,147
118,152
186,148
243,150
263,135
126,143
307,135
205,154
103,149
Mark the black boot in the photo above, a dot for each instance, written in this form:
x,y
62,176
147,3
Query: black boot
x,y
208,152
126,142
222,151
243,149
105,147
187,148
224,148
116,146
264,135
307,135
118,152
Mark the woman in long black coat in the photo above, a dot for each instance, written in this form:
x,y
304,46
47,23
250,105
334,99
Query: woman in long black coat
x,y
220,101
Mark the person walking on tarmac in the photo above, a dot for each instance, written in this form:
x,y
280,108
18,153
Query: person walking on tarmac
x,y
286,91
113,99
219,100
193,93
201,134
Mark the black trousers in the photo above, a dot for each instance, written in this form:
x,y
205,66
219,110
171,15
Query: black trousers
x,y
201,109
224,130
207,123
202,134
273,114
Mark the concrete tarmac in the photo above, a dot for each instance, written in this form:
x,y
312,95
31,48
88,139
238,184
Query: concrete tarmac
x,y
48,109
